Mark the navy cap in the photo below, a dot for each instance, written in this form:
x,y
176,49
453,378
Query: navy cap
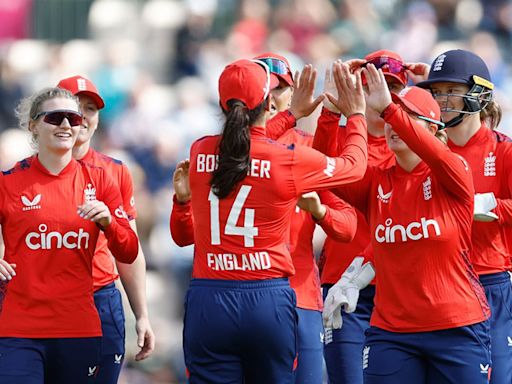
x,y
458,66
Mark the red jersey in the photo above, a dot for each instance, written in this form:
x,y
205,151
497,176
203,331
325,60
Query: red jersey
x,y
251,242
103,269
53,247
489,155
336,255
420,225
339,221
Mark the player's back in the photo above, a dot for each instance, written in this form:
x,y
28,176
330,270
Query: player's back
x,y
251,242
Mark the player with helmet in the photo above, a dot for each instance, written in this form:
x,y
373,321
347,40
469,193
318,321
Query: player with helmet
x,y
429,324
461,84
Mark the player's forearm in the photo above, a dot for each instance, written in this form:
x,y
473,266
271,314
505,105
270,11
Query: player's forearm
x,y
133,277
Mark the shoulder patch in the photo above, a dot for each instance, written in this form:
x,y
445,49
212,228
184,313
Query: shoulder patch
x,y
501,137
19,166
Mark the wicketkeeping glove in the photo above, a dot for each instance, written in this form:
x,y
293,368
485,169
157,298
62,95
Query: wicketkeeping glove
x,y
345,292
484,203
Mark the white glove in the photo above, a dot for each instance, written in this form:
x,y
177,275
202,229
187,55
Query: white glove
x,y
484,203
345,292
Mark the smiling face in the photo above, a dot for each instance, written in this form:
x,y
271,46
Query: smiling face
x,y
281,98
90,114
449,96
395,143
55,138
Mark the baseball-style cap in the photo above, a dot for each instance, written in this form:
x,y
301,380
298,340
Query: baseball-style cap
x,y
249,81
391,63
421,102
278,65
458,66
80,85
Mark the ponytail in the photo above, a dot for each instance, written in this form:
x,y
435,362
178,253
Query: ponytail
x,y
234,147
491,114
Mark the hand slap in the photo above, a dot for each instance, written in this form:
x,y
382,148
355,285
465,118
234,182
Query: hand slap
x,y
350,98
96,211
378,96
303,102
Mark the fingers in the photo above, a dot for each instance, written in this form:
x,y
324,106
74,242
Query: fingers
x,y
93,210
7,271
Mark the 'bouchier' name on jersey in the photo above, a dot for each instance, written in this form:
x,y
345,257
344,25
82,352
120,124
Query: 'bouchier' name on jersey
x,y
258,168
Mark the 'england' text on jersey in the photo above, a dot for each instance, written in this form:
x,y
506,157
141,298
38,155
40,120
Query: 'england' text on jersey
x,y
256,261
258,168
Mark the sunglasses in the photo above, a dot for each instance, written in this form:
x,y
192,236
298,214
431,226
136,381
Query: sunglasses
x,y
393,65
267,71
56,117
276,66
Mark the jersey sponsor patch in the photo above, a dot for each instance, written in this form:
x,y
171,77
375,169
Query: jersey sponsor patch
x,y
56,240
389,233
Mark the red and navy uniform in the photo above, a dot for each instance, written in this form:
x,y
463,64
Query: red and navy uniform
x,y
342,351
241,241
51,295
107,297
420,226
488,153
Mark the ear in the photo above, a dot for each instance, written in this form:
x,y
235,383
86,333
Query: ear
x,y
432,128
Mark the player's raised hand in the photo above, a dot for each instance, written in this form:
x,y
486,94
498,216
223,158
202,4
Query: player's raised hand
x,y
417,72
350,99
378,96
180,181
96,211
330,88
303,102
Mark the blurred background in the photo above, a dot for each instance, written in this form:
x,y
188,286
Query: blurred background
x,y
156,64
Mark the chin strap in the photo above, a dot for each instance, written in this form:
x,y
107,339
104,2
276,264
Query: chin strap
x,y
455,121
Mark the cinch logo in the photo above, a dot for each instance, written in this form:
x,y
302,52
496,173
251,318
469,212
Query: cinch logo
x,y
413,231
56,240
119,212
31,204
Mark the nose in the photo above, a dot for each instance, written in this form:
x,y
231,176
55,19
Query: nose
x,y
65,123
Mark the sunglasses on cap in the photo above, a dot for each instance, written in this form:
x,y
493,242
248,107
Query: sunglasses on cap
x,y
393,65
267,71
276,66
56,117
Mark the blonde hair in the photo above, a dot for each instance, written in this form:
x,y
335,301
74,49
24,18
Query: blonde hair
x,y
29,107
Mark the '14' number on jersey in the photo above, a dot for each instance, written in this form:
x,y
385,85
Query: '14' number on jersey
x,y
248,231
